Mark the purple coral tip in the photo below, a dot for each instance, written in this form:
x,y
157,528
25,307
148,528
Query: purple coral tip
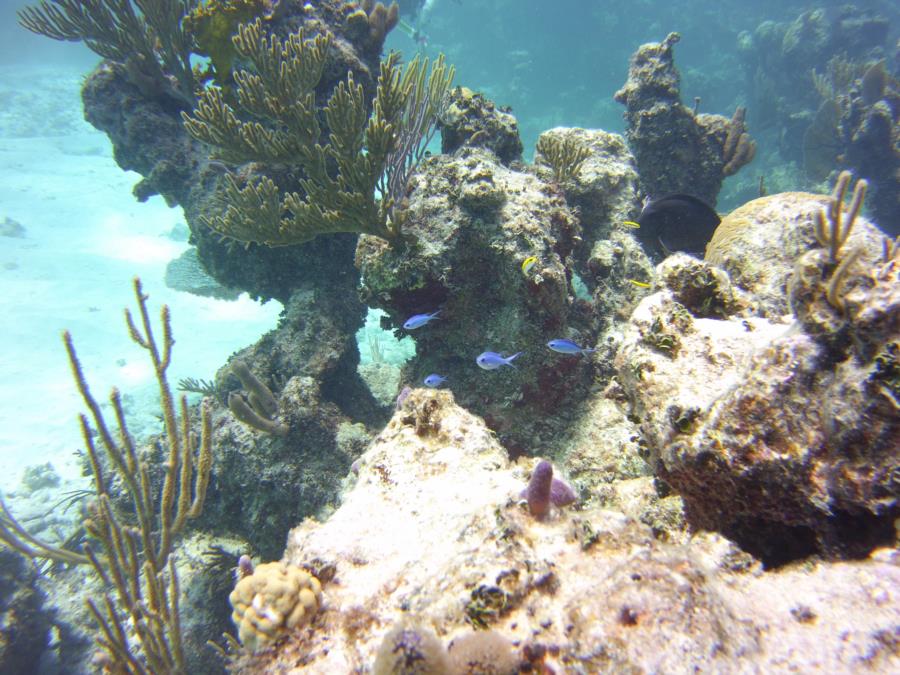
x,y
543,490
561,493
539,488
244,567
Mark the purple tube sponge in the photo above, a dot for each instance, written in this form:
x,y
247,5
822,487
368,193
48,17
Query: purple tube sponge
x,y
544,490
539,489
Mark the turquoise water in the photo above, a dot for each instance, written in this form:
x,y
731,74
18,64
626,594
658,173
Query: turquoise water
x,y
72,235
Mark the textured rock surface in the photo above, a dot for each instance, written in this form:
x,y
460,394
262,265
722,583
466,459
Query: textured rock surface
x,y
675,149
24,621
473,121
785,437
148,137
432,534
759,243
472,223
263,483
605,188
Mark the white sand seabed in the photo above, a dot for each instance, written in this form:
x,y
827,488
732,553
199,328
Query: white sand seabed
x,y
85,238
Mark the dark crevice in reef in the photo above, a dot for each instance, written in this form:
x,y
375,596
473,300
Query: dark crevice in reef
x,y
846,536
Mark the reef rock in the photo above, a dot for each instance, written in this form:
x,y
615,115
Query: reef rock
x,y
785,438
759,243
265,481
472,222
604,189
474,121
431,542
25,623
677,150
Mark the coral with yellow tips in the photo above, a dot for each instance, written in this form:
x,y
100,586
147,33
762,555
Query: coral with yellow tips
x,y
275,599
213,24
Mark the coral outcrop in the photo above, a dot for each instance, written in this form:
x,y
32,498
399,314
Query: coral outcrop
x,y
605,186
781,435
677,150
309,363
149,137
477,122
583,591
824,91
472,222
759,243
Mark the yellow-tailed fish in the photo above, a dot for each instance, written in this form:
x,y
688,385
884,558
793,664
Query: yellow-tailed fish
x,y
528,263
631,223
639,284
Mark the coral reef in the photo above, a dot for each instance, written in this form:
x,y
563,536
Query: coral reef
x,y
290,475
677,150
149,137
134,557
725,410
213,24
372,21
474,121
146,40
563,154
759,243
272,601
587,591
472,222
373,155
604,189
825,96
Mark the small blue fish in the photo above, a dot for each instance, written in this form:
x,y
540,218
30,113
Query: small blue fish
x,y
434,380
419,320
493,360
568,347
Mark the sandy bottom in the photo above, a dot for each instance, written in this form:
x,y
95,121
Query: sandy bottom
x,y
83,238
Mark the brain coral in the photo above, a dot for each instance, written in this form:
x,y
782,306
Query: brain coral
x,y
275,599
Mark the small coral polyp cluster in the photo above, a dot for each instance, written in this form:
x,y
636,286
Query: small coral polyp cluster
x,y
271,601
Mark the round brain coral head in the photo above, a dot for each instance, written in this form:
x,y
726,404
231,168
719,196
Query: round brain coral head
x,y
273,600
538,491
485,652
411,650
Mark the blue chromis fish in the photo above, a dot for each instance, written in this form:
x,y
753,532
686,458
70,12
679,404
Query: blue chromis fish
x,y
493,360
529,263
419,320
568,347
434,380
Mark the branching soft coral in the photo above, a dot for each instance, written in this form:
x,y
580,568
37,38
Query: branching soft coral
x,y
351,183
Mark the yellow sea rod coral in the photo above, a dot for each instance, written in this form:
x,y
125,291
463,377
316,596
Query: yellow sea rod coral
x,y
273,600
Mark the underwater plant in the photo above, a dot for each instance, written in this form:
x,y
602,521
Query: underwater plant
x,y
563,155
147,37
139,628
353,182
214,23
